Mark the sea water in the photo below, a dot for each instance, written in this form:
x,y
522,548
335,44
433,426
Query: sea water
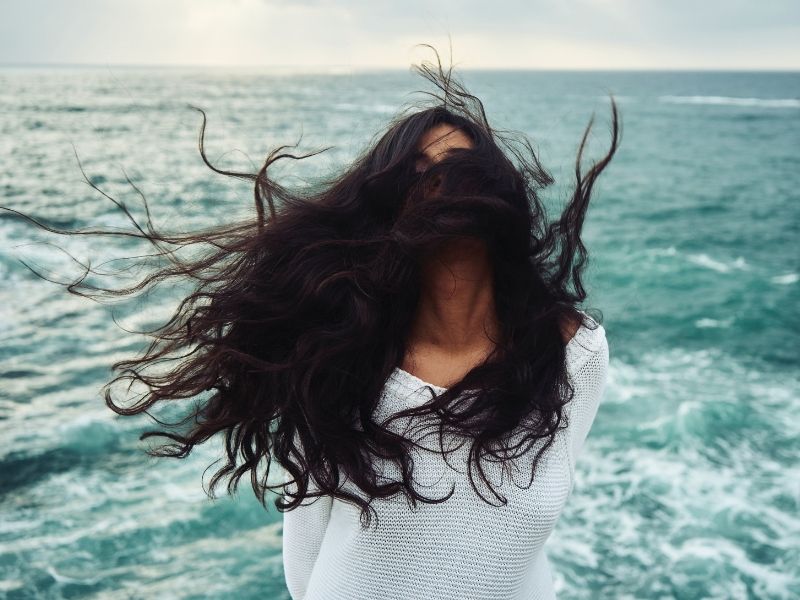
x,y
689,485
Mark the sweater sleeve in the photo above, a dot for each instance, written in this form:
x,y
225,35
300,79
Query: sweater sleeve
x,y
303,530
589,383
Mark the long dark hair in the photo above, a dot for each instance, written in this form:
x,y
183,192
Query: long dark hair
x,y
298,315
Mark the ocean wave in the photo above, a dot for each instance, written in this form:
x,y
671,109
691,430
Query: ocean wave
x,y
704,260
698,423
707,323
669,251
733,101
786,279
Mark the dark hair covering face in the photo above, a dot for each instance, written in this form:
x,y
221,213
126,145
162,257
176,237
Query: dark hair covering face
x,y
298,316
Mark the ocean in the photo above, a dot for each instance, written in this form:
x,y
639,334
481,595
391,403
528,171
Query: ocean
x,y
689,484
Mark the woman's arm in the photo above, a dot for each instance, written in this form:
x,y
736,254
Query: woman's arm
x,y
303,530
589,382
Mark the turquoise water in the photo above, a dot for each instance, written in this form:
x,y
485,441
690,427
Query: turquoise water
x,y
689,486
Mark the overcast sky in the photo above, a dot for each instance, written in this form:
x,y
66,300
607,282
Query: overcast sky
x,y
542,34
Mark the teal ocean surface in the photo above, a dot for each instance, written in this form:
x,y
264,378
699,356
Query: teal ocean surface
x,y
689,486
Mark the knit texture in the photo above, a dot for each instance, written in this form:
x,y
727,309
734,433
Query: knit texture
x,y
463,548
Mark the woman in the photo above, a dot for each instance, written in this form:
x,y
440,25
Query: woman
x,y
403,341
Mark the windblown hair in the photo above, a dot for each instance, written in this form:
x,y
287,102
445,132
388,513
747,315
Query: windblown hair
x,y
299,314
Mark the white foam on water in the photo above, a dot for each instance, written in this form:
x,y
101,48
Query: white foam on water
x,y
733,101
785,279
669,251
225,556
704,260
675,473
707,323
10,585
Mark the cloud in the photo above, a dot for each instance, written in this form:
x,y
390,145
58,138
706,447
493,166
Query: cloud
x,y
512,33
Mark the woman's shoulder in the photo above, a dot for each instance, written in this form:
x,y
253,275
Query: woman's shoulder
x,y
583,329
587,340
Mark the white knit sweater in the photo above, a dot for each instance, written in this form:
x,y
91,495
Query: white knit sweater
x,y
464,548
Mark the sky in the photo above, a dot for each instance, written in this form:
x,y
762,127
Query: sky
x,y
353,34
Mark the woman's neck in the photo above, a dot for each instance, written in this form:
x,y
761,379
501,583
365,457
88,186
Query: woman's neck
x,y
456,312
